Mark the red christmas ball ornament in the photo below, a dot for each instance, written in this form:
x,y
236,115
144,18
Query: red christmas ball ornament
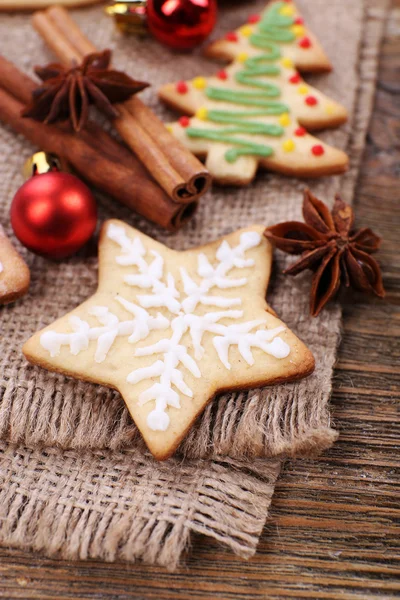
x,y
181,24
53,213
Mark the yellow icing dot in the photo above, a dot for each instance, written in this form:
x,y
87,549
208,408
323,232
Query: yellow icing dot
x,y
329,109
287,11
246,30
303,90
288,146
199,83
169,128
298,30
242,57
287,62
284,120
202,113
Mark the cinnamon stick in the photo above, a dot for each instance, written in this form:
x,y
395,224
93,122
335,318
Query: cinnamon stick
x,y
176,169
113,169
183,161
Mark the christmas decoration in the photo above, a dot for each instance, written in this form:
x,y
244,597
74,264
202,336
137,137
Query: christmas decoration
x,y
129,16
53,213
257,110
67,92
331,248
180,24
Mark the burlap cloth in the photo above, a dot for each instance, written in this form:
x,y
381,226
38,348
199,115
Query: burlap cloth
x,y
75,480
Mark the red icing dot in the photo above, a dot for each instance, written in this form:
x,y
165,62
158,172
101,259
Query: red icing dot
x,y
222,74
254,19
184,121
181,87
295,78
231,37
299,21
305,42
311,100
300,131
317,150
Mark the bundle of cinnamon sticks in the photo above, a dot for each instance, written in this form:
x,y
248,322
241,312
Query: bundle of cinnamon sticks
x,y
160,180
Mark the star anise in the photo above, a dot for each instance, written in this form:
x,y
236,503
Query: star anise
x,y
331,248
68,92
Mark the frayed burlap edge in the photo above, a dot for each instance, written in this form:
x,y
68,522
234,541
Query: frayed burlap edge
x,y
125,506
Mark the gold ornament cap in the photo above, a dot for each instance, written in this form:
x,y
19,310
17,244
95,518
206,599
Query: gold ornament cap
x,y
129,16
42,162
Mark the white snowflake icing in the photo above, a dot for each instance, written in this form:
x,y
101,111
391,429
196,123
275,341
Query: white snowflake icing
x,y
162,293
137,329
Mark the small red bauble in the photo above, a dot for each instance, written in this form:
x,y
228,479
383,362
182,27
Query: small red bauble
x,y
222,75
295,78
317,150
181,87
53,214
311,100
184,121
300,131
299,21
181,24
254,19
305,43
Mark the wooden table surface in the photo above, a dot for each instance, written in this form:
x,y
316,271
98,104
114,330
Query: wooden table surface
x,y
333,531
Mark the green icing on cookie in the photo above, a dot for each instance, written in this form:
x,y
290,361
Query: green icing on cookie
x,y
272,30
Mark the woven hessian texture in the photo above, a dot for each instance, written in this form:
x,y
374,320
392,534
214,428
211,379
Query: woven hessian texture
x,y
39,407
125,505
99,494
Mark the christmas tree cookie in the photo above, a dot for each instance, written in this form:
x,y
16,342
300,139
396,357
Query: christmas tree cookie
x,y
258,110
170,329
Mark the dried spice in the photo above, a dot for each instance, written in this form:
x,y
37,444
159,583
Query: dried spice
x,y
331,248
68,92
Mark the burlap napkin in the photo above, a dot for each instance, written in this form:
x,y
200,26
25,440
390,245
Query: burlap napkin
x,y
93,491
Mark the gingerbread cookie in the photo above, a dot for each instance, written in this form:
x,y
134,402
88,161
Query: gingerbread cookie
x,y
258,110
171,329
31,5
14,272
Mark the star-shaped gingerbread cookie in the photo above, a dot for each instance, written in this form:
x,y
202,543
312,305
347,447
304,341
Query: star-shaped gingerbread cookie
x,y
170,329
258,110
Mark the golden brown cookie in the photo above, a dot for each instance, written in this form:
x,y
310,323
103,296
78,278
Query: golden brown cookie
x,y
171,329
14,272
257,111
31,5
